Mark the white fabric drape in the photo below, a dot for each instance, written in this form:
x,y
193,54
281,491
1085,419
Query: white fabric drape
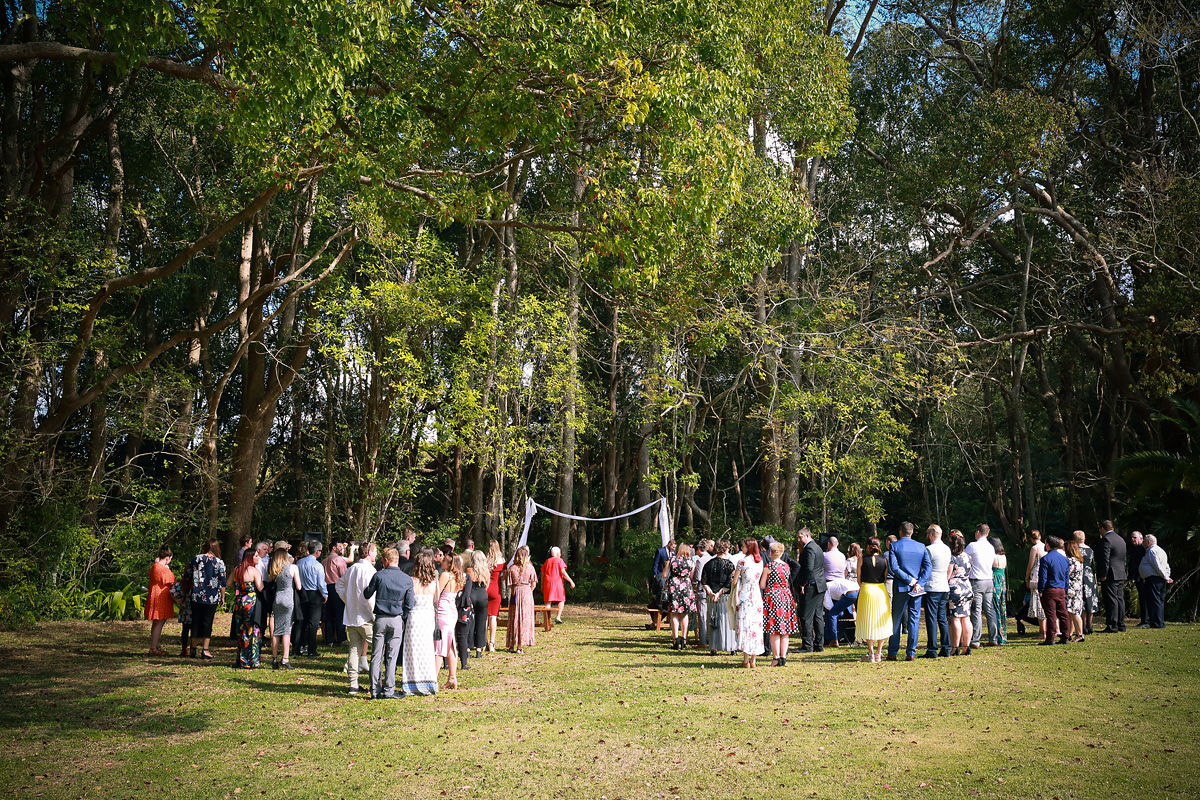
x,y
664,518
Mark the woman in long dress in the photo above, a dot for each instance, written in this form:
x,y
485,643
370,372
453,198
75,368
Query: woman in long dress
x,y
247,586
522,577
681,597
779,604
1074,588
716,580
1000,588
445,647
480,573
159,605
418,668
874,613
1091,598
1036,612
749,604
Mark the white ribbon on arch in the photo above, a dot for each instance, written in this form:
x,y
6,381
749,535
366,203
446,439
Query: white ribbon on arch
x,y
664,518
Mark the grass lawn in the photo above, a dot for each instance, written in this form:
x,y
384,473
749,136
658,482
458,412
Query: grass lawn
x,y
601,708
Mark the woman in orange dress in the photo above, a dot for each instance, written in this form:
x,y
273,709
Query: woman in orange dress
x,y
160,606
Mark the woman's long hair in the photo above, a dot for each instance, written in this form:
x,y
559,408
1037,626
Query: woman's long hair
x,y
249,559
278,562
424,572
458,576
495,555
521,559
481,568
1073,551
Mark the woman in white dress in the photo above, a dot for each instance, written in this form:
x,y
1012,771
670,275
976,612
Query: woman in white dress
x,y
750,603
419,672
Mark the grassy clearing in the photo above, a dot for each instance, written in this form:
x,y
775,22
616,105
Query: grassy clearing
x,y
601,708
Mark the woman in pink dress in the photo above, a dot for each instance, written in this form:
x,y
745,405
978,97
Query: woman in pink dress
x,y
450,582
554,572
522,578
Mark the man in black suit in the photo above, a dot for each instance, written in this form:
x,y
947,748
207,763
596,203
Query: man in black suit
x,y
1137,551
1110,571
808,588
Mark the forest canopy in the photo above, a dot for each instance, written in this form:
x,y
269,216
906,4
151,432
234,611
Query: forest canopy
x,y
273,267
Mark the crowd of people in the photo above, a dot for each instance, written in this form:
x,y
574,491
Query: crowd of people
x,y
399,609
753,599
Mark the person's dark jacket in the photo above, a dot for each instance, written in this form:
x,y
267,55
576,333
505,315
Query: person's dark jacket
x,y
810,571
393,593
1110,558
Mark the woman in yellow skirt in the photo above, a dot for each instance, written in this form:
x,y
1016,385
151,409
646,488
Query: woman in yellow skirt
x,y
874,616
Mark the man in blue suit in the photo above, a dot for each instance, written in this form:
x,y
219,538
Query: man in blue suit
x,y
911,568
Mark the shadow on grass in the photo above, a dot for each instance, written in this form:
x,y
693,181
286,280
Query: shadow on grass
x,y
91,684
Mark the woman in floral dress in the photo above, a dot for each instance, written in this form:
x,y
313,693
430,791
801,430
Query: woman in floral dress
x,y
247,624
1091,594
1075,588
749,603
522,578
778,604
681,595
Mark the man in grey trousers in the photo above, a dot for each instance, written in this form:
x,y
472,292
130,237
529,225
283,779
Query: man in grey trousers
x,y
394,599
983,587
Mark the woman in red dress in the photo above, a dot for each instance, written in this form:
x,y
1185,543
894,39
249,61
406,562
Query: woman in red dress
x,y
496,561
160,606
779,607
554,572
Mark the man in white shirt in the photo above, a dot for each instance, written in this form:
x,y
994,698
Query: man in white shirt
x,y
983,587
1155,573
937,593
703,556
840,595
835,560
359,616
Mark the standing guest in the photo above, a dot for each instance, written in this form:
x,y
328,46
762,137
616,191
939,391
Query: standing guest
x,y
394,600
444,643
480,573
1074,588
247,585
522,578
809,589
1053,577
750,603
779,608
243,545
1137,551
887,551
680,596
1000,591
657,585
495,592
1091,594
468,551
841,594
835,562
262,551
1110,569
937,595
419,673
983,587
464,613
909,563
159,605
853,557
703,556
286,578
554,572
874,618
1033,601
358,611
208,589
959,599
716,581
1155,573
405,564
312,599
181,591
335,566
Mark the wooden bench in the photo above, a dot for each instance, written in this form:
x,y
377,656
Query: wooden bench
x,y
546,611
656,619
